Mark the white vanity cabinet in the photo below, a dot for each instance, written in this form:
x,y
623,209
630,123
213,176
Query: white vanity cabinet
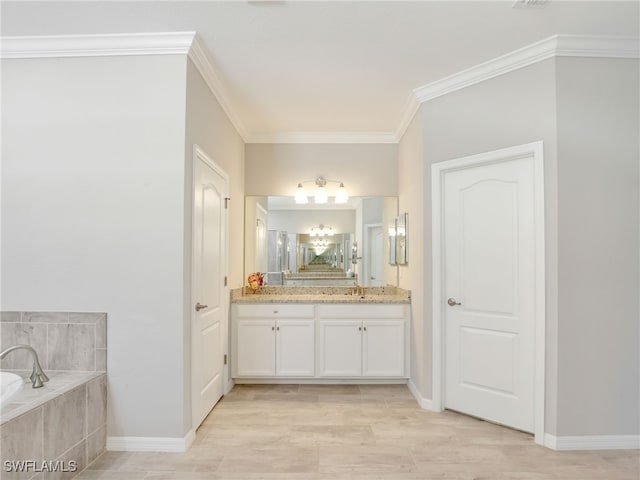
x,y
363,340
273,341
320,342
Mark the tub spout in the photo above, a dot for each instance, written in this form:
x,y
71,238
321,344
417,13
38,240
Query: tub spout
x,y
38,377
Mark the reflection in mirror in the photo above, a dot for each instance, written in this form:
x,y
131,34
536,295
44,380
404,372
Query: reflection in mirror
x,y
398,240
319,244
401,239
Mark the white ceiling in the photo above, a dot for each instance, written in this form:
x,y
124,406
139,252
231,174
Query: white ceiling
x,y
330,66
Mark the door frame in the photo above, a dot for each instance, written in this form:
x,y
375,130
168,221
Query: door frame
x,y
200,154
532,150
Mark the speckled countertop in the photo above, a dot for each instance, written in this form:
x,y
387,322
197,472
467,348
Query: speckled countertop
x,y
320,295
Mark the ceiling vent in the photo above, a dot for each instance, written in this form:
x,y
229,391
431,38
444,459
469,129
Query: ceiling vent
x,y
529,3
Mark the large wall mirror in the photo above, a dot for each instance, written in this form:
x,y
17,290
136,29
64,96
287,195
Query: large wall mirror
x,y
325,244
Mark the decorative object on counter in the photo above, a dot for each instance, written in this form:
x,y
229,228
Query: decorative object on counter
x,y
321,194
256,280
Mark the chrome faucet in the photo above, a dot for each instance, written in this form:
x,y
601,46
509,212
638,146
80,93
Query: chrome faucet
x,y
38,376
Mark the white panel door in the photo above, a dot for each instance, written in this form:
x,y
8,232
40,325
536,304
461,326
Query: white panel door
x,y
340,348
383,351
256,348
209,253
489,292
295,351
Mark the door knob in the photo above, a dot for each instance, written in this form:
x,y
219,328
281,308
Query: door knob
x,y
452,302
199,306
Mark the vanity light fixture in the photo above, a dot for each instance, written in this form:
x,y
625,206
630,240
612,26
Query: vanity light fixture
x,y
321,194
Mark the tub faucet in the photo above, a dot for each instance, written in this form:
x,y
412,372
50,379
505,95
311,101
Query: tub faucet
x,y
38,376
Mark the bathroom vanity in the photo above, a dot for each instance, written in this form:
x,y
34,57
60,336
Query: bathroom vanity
x,y
320,335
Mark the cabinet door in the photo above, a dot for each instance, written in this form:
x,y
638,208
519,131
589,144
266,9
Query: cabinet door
x,y
340,348
295,352
256,346
383,344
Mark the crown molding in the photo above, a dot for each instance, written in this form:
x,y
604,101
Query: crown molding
x,y
64,46
169,43
411,107
554,46
200,58
324,137
600,46
187,43
515,60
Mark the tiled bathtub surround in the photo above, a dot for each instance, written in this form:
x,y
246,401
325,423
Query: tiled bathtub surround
x,y
64,420
63,340
68,427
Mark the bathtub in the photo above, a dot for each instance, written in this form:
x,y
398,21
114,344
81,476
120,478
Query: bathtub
x,y
10,385
22,397
64,421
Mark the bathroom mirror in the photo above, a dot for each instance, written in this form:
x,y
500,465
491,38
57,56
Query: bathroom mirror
x,y
279,241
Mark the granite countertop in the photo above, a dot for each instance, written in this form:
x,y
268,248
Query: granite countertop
x,y
320,295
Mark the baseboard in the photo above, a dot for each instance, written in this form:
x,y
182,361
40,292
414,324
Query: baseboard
x,y
230,385
592,442
424,403
151,444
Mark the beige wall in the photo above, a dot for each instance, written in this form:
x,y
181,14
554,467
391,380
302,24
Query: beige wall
x,y
93,215
365,169
598,215
414,276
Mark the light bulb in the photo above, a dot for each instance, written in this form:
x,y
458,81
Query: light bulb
x,y
301,196
341,194
321,195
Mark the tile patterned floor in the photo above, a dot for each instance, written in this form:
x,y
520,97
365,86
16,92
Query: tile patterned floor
x,y
355,432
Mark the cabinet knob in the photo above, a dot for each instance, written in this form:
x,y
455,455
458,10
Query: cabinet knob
x,y
273,328
360,328
275,311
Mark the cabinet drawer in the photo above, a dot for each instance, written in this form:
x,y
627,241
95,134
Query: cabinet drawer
x,y
361,311
275,310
